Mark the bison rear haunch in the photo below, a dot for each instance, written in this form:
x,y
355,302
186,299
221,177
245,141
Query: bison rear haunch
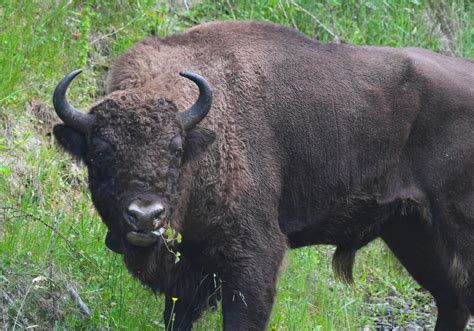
x,y
279,142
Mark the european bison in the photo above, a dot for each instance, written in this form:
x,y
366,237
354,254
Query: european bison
x,y
299,143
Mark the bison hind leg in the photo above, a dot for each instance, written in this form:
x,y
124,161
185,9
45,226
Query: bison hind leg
x,y
470,300
418,245
343,262
467,278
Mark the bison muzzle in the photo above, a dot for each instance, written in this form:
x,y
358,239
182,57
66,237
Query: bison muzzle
x,y
279,142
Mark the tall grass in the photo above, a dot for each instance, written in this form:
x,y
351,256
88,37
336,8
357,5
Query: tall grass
x,y
51,238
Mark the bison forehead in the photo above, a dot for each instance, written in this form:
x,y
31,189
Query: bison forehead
x,y
135,118
140,127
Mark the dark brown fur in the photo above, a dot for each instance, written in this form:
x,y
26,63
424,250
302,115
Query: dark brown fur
x,y
314,144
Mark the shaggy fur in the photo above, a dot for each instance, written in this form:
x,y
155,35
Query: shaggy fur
x,y
306,143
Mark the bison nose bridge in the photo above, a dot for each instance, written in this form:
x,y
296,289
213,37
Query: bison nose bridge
x,y
145,214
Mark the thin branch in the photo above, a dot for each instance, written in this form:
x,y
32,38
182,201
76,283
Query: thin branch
x,y
115,31
51,263
186,5
49,226
230,8
78,301
291,16
6,301
18,315
335,36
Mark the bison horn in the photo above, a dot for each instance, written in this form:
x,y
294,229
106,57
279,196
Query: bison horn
x,y
199,110
72,117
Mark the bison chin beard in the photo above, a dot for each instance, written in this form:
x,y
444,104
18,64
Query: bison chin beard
x,y
154,266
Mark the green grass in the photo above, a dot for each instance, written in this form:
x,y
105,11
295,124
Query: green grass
x,y
50,236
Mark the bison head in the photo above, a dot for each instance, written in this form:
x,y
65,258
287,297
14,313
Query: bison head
x,y
136,146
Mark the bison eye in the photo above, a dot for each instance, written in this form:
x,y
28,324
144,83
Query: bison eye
x,y
100,151
176,146
178,152
98,157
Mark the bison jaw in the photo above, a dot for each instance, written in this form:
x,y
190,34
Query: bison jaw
x,y
143,239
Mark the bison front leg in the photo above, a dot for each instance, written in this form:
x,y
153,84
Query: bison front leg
x,y
193,293
179,313
248,283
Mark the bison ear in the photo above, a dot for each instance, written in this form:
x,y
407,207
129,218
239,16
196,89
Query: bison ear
x,y
197,141
74,142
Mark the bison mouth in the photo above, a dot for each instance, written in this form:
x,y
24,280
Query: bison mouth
x,y
144,219
144,239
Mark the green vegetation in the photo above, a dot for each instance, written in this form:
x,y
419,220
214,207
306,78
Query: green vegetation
x,y
50,237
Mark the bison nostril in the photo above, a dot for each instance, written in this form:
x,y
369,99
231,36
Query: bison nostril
x,y
130,219
144,214
157,223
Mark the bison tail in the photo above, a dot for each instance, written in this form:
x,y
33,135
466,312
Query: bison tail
x,y
342,263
